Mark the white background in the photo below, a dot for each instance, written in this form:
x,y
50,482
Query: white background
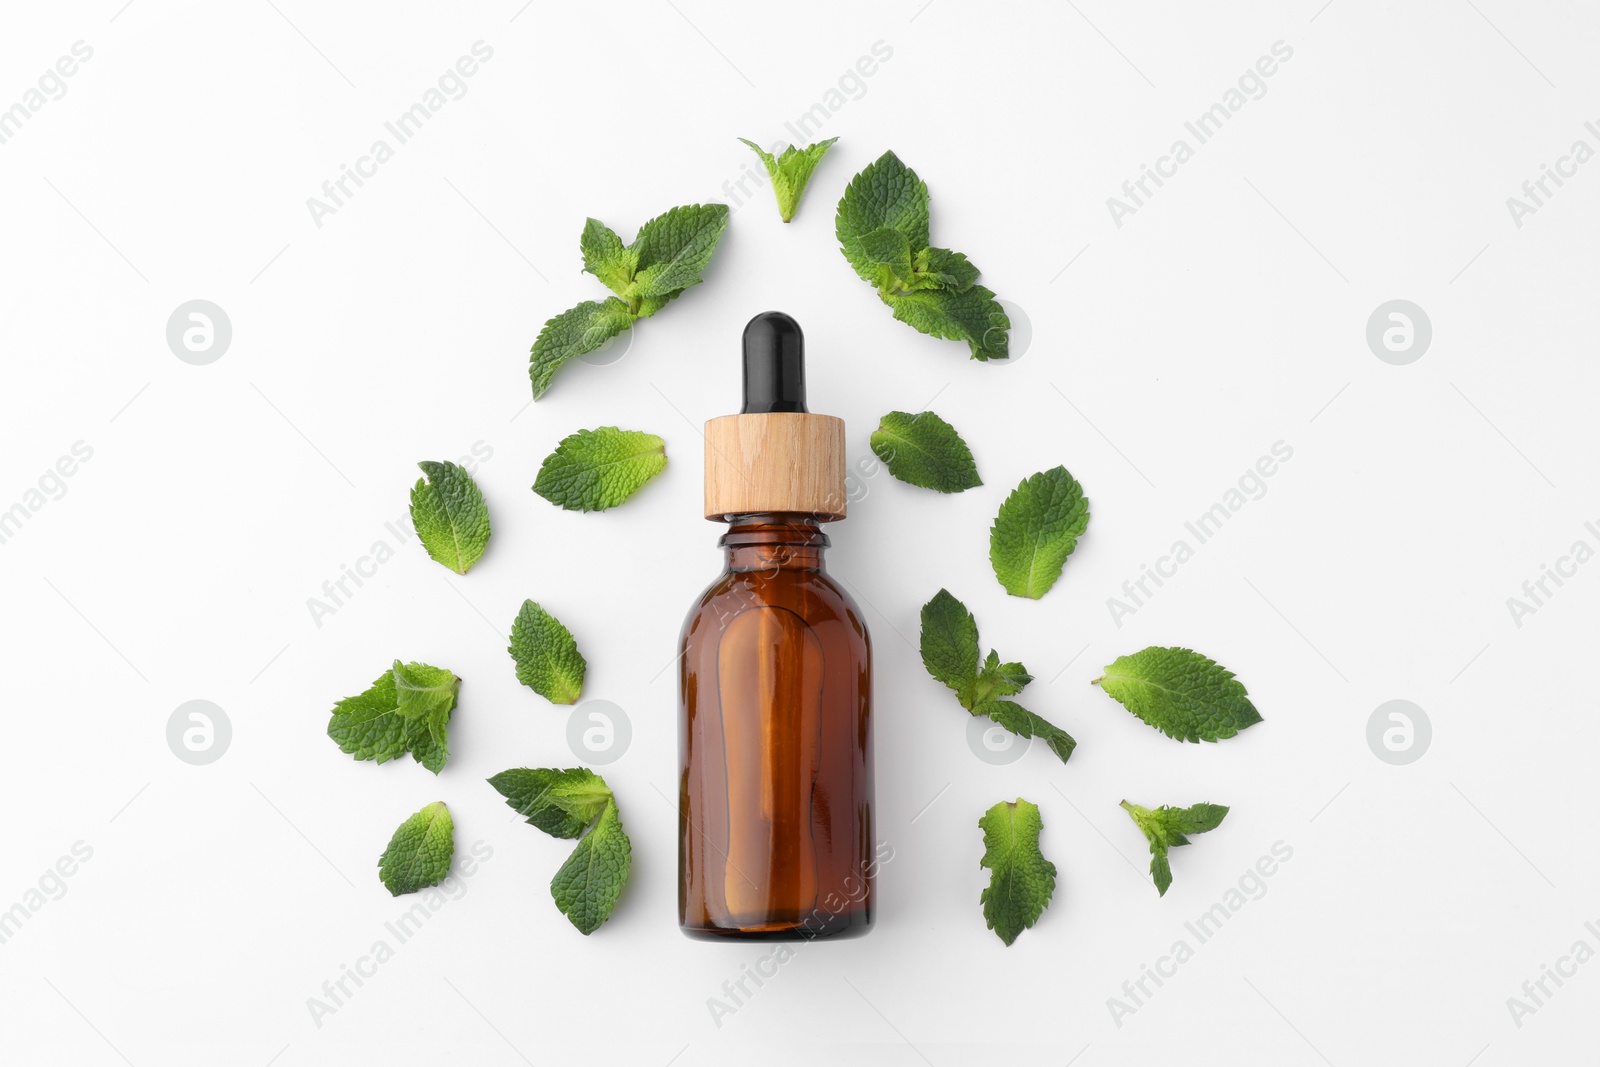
x,y
1166,355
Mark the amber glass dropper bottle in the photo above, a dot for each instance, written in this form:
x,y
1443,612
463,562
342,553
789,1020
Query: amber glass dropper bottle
x,y
775,679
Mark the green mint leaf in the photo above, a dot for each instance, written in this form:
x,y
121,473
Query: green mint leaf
x,y
547,657
569,803
605,257
950,644
1037,528
1181,693
887,193
791,171
421,691
420,852
936,291
889,250
427,740
973,316
572,333
587,886
372,725
369,726
1003,679
946,269
1024,723
450,516
950,654
673,248
926,451
1022,880
559,802
1166,828
665,258
593,470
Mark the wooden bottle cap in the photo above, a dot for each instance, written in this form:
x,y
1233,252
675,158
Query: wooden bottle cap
x,y
785,461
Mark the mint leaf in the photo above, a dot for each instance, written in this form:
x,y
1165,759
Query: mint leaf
x,y
791,171
373,726
665,258
672,249
1024,723
1037,528
546,655
950,654
605,257
572,333
950,644
451,518
587,886
559,802
1005,679
1181,693
597,469
972,315
1022,881
886,193
882,226
926,451
427,740
945,269
369,726
569,803
420,851
1167,828
421,690
889,251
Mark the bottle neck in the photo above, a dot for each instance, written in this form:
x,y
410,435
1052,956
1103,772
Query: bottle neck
x,y
774,541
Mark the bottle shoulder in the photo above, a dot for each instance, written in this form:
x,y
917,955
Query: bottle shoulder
x,y
812,594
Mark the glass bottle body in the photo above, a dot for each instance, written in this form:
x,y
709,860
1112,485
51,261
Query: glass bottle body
x,y
775,745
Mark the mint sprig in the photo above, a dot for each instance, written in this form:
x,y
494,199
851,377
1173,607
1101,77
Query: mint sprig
x,y
420,851
450,516
665,259
1022,880
407,709
882,226
1166,828
1036,530
562,803
950,654
547,657
1181,693
566,804
926,451
790,171
597,469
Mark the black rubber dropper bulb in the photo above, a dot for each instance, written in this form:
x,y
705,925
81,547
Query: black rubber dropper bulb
x,y
774,364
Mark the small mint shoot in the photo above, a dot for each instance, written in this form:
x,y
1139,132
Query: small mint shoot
x,y
790,171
